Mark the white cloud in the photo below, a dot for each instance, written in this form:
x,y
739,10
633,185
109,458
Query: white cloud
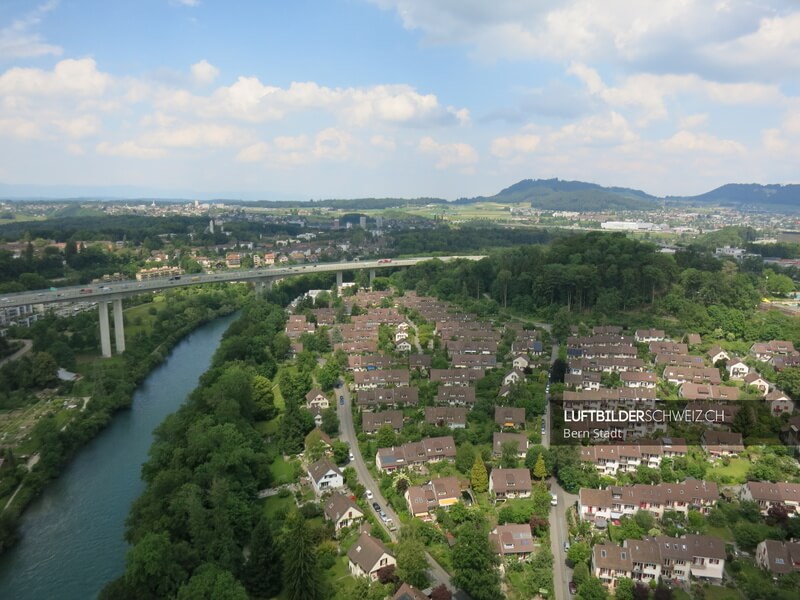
x,y
129,149
692,121
79,127
69,77
448,155
204,72
688,141
197,135
504,147
190,3
332,144
18,41
383,142
254,153
20,128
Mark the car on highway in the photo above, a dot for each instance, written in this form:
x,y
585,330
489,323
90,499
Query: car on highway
x,y
369,494
573,588
6,299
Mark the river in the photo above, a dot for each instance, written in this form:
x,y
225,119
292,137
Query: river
x,y
72,536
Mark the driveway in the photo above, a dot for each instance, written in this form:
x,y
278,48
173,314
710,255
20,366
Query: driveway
x,y
26,347
348,434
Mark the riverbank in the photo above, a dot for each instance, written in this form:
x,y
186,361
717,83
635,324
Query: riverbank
x,y
111,384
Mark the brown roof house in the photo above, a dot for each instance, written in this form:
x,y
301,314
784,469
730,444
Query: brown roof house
x,y
498,439
777,557
342,511
443,492
510,483
325,476
512,540
372,421
508,416
367,556
721,443
453,417
317,399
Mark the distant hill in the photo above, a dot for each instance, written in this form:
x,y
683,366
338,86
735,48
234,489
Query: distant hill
x,y
749,195
556,194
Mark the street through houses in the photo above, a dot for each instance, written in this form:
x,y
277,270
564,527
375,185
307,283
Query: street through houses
x,y
348,435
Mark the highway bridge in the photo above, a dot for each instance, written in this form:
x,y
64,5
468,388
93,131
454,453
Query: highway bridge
x,y
113,292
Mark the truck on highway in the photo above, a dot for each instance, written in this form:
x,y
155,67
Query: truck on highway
x,y
87,291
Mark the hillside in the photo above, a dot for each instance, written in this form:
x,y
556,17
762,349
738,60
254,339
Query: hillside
x,y
750,195
556,194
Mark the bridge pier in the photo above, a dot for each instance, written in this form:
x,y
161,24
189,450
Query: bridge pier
x,y
339,280
119,327
371,277
105,334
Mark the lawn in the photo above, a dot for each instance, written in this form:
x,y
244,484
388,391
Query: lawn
x,y
138,318
736,471
723,533
275,504
282,471
715,592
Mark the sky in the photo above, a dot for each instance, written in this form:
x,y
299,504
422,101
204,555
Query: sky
x,y
410,98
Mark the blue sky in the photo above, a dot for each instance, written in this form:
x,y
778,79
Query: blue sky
x,y
352,98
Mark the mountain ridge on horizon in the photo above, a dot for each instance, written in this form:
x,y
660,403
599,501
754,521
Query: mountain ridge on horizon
x,y
547,194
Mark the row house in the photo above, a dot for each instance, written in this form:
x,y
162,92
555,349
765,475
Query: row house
x,y
719,444
324,316
785,362
512,541
703,392
604,398
369,362
456,395
453,417
372,421
499,439
367,556
381,378
470,347
576,341
767,494
456,376
416,454
611,459
356,346
578,366
608,505
779,558
419,361
668,348
530,347
509,416
606,330
645,336
510,483
608,351
422,500
765,352
297,325
399,396
714,413
474,361
588,380
697,375
639,379
650,559
679,360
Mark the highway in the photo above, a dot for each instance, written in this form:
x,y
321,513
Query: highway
x,y
348,434
119,289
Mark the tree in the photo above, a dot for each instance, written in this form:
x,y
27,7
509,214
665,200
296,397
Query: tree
x,y
478,476
592,589
412,564
662,593
789,381
624,589
328,376
508,457
210,582
743,421
475,562
330,421
579,552
641,591
385,437
153,566
262,572
301,574
580,573
465,457
44,369
540,470
441,592
264,398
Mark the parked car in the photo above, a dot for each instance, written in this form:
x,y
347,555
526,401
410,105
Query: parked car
x,y
377,507
369,495
352,457
573,589
553,500
566,546
341,400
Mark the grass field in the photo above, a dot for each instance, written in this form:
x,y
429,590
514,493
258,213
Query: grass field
x,y
736,470
275,504
283,471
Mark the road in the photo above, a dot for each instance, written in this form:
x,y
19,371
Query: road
x,y
26,347
348,434
559,533
120,289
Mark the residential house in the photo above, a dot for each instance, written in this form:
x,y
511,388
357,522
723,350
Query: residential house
x,y
679,360
317,399
367,556
698,375
233,260
419,361
668,348
638,379
766,352
403,346
521,362
790,433
513,377
737,369
443,492
649,335
409,592
779,558
380,378
766,494
509,416
456,376
754,379
779,403
372,421
457,395
718,393
500,438
716,354
510,483
297,325
342,511
325,476
473,361
587,380
416,454
453,417
693,339
721,443
512,541
397,396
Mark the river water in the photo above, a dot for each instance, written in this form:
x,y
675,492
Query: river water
x,y
72,536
